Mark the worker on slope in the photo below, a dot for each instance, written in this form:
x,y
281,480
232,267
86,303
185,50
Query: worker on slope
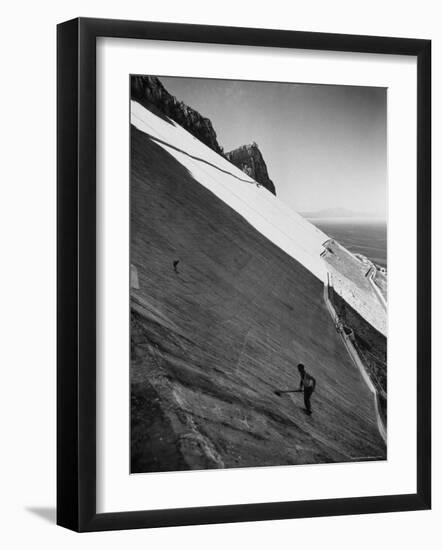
x,y
308,385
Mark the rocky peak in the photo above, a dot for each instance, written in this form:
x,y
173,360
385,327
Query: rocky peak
x,y
149,91
249,159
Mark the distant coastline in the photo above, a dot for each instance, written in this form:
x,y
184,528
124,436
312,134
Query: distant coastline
x,y
366,236
348,220
338,213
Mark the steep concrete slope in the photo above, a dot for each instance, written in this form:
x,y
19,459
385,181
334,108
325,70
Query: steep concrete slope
x,y
290,231
270,216
214,337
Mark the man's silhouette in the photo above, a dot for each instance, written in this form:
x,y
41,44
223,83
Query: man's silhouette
x,y
308,385
175,266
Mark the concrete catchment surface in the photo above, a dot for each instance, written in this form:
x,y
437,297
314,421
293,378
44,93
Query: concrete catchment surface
x,y
222,316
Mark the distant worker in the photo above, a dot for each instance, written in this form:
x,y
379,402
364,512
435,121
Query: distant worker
x,y
175,266
339,326
308,385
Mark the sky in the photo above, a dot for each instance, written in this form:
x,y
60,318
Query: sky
x,y
324,146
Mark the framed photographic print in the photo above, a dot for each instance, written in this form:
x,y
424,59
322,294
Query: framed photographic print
x,y
243,274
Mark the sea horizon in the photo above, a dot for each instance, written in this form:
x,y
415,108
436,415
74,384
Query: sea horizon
x,y
366,236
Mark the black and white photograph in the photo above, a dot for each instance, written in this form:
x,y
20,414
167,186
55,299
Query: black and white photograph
x,y
219,323
258,274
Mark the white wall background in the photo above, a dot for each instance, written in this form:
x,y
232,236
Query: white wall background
x,y
27,277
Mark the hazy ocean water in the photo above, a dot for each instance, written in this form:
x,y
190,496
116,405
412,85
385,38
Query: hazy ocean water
x,y
366,237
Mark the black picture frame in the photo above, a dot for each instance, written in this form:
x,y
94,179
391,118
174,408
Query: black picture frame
x,y
76,274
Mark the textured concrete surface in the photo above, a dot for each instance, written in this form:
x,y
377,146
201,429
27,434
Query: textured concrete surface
x,y
211,343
